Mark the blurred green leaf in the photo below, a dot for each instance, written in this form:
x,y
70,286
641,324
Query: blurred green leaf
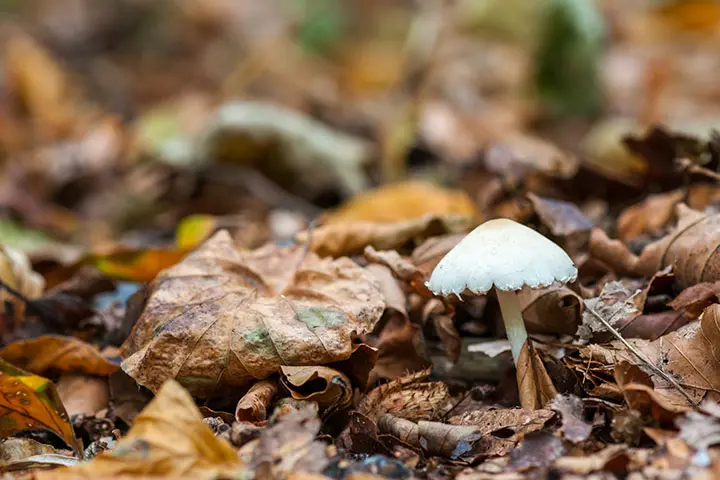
x,y
322,24
566,78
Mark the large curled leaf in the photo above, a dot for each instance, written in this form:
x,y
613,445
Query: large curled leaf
x,y
223,317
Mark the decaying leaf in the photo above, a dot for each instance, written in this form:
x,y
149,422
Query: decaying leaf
x,y
288,445
574,426
302,149
538,449
59,354
411,397
693,300
516,154
349,238
614,304
17,273
253,406
563,219
168,439
502,429
553,310
451,441
224,318
22,454
534,384
690,250
444,325
403,201
31,402
331,389
640,395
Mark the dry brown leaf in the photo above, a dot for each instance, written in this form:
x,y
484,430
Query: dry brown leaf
x,y
57,354
224,318
331,389
348,238
442,319
611,458
534,384
442,439
410,397
168,439
502,429
689,249
403,201
17,273
649,216
553,310
516,154
126,398
83,394
639,393
400,267
563,219
253,406
287,445
428,254
571,409
693,300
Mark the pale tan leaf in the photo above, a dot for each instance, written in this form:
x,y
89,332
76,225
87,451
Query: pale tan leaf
x,y
253,406
17,273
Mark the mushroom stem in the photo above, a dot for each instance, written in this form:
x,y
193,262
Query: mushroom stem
x,y
514,324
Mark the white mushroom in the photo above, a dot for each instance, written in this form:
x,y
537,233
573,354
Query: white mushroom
x,y
506,255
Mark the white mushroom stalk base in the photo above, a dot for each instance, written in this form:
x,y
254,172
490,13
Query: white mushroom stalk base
x,y
514,324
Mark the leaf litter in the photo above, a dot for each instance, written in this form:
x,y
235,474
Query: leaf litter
x,y
217,223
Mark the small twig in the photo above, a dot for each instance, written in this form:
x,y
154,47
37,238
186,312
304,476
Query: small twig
x,y
642,357
687,166
29,304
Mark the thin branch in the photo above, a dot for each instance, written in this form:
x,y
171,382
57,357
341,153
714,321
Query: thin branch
x,y
642,358
688,166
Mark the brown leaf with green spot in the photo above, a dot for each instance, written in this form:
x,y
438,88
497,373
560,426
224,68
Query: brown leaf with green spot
x,y
223,318
30,402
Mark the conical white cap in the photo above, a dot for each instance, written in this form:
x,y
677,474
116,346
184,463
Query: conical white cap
x,y
503,254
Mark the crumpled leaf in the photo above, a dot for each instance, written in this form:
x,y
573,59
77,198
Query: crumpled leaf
x,y
574,427
614,304
293,145
534,384
168,439
502,429
350,238
331,389
254,405
26,453
442,320
693,300
31,402
224,318
57,354
288,445
689,249
411,397
639,392
403,201
17,273
538,449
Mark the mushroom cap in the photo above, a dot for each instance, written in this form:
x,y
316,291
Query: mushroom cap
x,y
504,254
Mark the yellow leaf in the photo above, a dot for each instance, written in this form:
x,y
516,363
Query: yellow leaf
x,y
193,230
168,439
404,201
137,265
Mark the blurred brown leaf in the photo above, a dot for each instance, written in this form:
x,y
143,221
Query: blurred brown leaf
x,y
574,427
450,441
693,300
688,248
649,216
348,238
224,318
563,219
534,384
167,440
538,449
254,405
515,154
56,353
331,389
17,273
83,394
